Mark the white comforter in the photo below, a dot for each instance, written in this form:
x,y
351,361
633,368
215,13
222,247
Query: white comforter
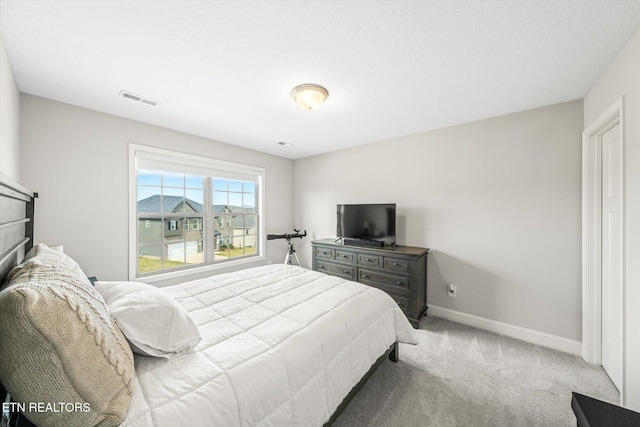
x,y
282,346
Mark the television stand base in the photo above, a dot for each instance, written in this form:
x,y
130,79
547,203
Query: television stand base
x,y
356,242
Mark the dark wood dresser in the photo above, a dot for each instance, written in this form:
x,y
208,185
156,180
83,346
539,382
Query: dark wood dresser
x,y
400,271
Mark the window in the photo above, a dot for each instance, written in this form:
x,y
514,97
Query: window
x,y
190,212
234,204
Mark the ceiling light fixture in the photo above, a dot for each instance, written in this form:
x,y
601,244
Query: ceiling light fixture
x,y
309,96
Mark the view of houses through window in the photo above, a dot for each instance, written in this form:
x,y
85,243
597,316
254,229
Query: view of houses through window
x,y
234,207
188,220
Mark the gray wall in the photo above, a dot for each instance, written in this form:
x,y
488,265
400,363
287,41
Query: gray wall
x,y
77,160
9,119
623,78
498,201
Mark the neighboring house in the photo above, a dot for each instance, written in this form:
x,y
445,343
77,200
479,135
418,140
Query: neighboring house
x,y
180,236
233,226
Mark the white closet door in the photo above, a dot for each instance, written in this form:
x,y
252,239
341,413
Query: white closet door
x,y
612,262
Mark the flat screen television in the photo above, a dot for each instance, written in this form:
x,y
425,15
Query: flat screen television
x,y
367,224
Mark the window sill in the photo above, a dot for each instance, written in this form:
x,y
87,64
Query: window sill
x,y
193,273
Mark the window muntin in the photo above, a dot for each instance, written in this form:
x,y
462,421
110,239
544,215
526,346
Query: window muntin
x,y
172,211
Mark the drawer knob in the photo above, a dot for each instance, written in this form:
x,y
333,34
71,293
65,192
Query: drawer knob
x,y
365,276
321,267
398,283
324,253
347,272
344,256
395,264
368,260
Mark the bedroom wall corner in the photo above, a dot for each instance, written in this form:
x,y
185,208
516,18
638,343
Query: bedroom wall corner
x,y
9,118
498,201
77,160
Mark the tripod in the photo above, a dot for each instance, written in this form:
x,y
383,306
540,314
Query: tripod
x,y
291,251
288,237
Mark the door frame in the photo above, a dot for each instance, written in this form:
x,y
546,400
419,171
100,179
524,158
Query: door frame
x,y
592,236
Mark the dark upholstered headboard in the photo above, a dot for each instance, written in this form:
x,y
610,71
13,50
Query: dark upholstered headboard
x,y
17,208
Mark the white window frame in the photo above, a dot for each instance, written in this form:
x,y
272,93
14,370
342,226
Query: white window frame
x,y
204,166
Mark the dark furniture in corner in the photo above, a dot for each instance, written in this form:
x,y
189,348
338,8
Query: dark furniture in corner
x,y
400,271
592,412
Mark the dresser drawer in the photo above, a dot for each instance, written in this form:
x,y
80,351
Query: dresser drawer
x,y
397,264
345,256
372,260
401,300
340,270
371,277
327,253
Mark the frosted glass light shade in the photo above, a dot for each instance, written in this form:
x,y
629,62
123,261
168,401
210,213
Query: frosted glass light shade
x,y
309,96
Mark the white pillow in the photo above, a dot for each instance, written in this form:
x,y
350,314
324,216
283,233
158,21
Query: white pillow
x,y
154,323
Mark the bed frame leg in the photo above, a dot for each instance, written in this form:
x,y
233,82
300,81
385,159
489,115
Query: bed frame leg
x,y
394,356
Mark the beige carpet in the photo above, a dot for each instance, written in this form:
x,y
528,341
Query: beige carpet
x,y
461,376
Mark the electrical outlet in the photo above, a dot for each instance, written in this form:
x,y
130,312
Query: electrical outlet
x,y
451,290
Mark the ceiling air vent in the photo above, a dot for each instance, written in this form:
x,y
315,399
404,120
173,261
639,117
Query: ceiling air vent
x,y
137,98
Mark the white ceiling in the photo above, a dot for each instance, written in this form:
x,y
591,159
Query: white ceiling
x,y
224,70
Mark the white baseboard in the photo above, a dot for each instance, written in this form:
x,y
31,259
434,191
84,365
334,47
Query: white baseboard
x,y
535,337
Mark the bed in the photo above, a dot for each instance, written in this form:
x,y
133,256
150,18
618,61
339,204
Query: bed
x,y
277,345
